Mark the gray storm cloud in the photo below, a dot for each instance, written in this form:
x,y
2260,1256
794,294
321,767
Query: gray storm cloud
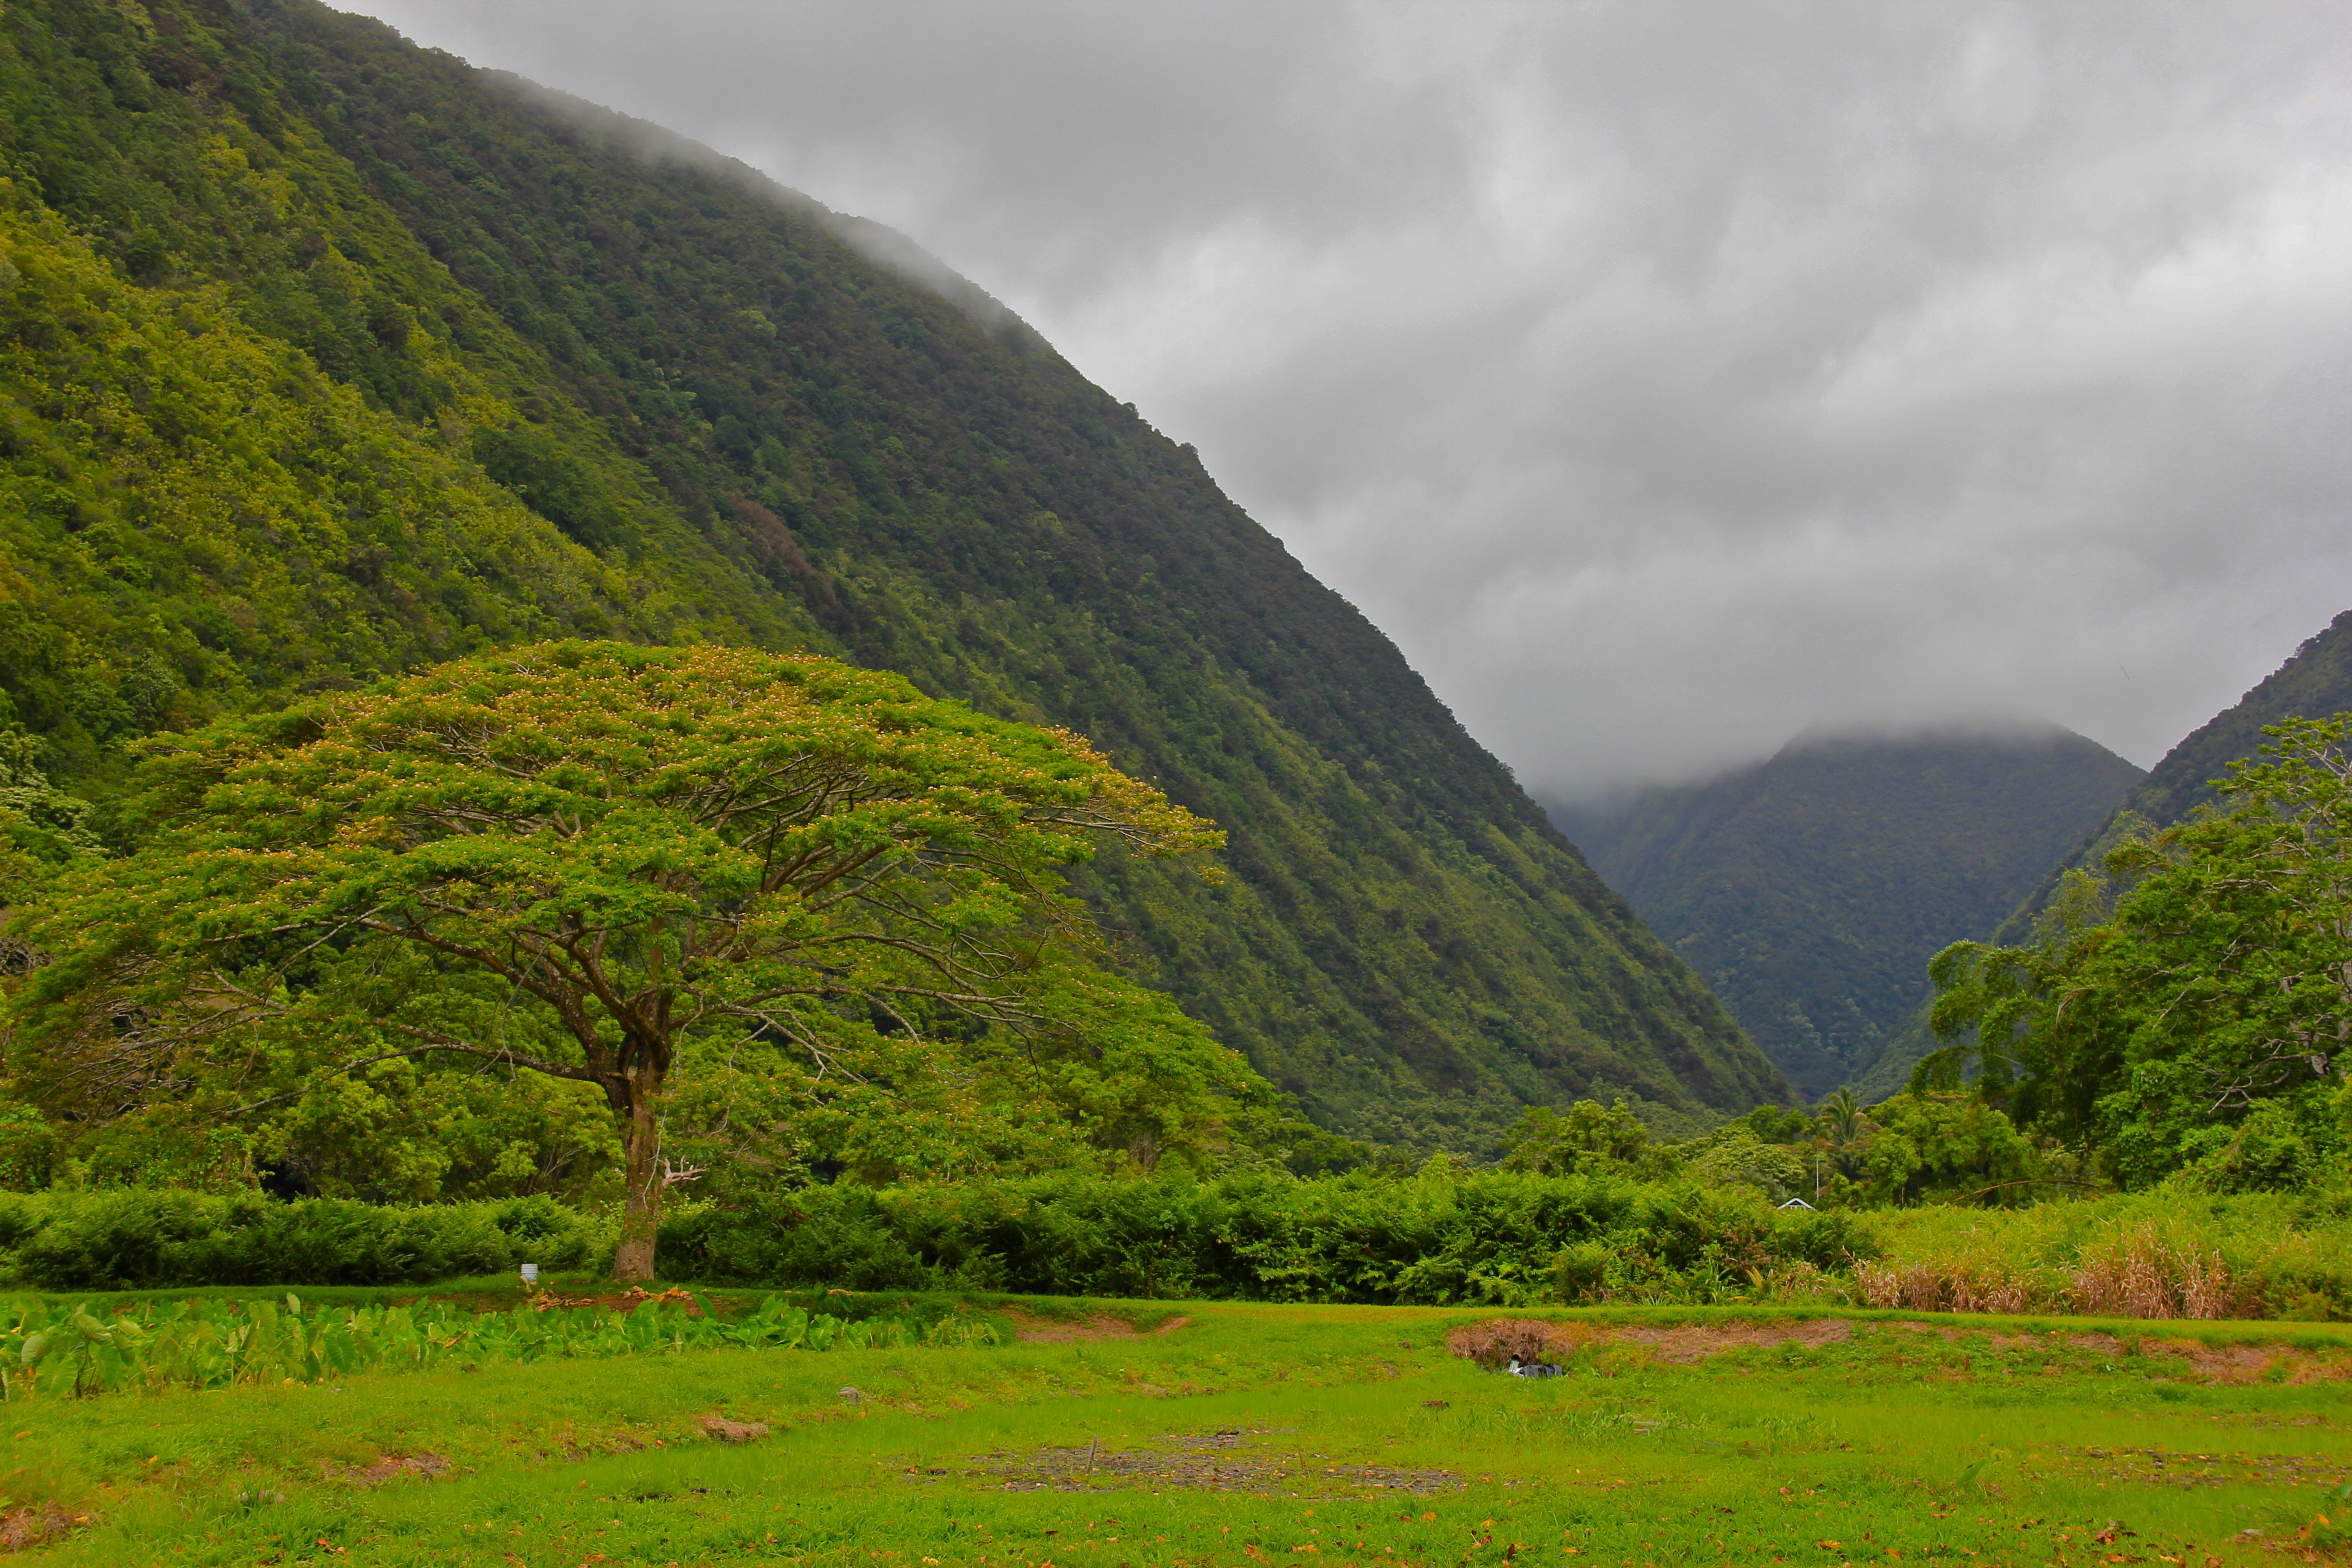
x,y
1666,379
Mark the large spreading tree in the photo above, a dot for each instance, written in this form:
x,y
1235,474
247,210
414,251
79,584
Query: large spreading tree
x,y
601,863
2193,1005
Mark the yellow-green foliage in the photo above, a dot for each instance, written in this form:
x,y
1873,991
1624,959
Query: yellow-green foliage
x,y
81,1350
188,510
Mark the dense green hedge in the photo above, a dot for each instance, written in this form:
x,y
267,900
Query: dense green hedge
x,y
1489,1237
138,1238
1443,1238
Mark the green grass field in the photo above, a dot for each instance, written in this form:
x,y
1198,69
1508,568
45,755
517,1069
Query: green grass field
x,y
1239,1436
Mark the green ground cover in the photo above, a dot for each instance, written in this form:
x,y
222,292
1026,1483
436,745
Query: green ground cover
x,y
1241,1434
87,1349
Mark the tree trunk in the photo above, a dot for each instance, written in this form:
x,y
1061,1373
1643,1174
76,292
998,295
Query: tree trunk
x,y
641,1216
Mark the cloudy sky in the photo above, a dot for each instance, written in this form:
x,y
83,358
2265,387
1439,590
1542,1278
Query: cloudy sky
x,y
1666,379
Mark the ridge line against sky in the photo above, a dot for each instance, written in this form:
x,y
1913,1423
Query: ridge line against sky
x,y
1666,379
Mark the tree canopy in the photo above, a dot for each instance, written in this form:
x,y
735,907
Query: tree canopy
x,y
797,909
2193,1003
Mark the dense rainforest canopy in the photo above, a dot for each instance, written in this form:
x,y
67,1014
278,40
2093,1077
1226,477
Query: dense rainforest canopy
x,y
2315,682
323,357
2189,1005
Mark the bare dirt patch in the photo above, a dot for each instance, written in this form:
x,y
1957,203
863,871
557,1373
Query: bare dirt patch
x,y
2225,1363
2178,1468
1491,1344
546,1299
1943,1331
1102,1326
720,1429
628,1300
2192,1359
1207,1461
385,1468
1693,1343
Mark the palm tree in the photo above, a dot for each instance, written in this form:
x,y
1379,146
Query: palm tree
x,y
1840,1117
1841,1122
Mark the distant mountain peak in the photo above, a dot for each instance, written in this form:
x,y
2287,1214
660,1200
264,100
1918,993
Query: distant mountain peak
x,y
1811,889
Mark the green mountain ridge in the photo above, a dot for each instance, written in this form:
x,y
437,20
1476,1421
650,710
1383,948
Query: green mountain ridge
x,y
2315,682
323,356
1811,889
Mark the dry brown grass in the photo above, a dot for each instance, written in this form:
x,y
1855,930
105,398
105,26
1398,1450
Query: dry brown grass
x,y
2136,1273
1492,1344
25,1527
2140,1275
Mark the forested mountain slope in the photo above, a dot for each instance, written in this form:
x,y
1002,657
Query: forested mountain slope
x,y
325,356
2316,681
1812,888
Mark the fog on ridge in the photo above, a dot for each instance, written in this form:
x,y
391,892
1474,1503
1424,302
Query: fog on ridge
x,y
1666,379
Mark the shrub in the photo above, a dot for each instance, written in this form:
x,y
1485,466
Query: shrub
x,y
837,1235
139,1238
1499,1237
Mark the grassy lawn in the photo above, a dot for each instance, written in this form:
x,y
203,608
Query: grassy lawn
x,y
1246,1435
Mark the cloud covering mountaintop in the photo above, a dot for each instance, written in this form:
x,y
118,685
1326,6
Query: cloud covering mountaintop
x,y
1666,379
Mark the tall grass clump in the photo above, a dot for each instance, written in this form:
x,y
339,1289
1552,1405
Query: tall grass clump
x,y
2162,1254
